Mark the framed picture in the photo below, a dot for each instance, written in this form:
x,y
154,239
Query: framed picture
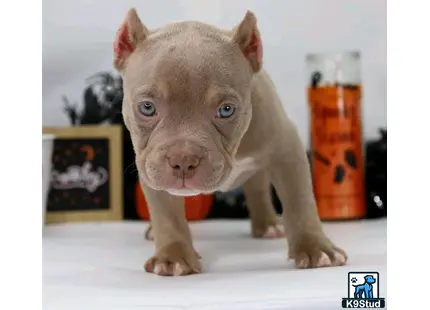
x,y
86,175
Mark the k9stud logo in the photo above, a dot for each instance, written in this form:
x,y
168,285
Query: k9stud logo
x,y
363,291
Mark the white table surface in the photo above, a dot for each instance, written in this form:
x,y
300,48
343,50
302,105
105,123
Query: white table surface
x,y
100,266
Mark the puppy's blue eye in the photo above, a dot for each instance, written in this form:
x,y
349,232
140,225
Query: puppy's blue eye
x,y
225,111
147,108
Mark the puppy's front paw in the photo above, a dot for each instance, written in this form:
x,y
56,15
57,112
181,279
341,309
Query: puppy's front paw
x,y
315,252
176,259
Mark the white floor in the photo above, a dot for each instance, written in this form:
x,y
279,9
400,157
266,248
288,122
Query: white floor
x,y
99,266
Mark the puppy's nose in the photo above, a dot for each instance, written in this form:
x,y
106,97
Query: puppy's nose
x,y
184,165
184,158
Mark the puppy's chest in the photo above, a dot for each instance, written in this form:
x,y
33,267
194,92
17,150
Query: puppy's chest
x,y
241,172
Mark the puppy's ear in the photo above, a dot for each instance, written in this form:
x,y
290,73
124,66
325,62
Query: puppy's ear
x,y
247,36
129,34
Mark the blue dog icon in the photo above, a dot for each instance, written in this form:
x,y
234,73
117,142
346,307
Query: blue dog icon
x,y
365,290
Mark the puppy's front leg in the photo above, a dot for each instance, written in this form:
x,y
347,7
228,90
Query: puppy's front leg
x,y
174,251
308,245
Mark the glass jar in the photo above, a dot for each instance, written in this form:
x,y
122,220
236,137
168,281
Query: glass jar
x,y
334,98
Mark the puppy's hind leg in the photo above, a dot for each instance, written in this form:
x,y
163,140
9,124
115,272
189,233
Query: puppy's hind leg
x,y
265,223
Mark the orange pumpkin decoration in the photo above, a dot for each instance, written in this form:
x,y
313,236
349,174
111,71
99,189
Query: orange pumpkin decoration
x,y
196,207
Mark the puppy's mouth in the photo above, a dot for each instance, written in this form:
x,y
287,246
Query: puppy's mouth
x,y
180,188
192,186
202,182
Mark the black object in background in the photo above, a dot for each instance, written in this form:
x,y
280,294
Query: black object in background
x,y
232,204
376,176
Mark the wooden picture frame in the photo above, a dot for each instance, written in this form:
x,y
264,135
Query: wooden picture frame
x,y
86,180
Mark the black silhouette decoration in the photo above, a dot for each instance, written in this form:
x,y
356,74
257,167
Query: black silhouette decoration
x,y
102,101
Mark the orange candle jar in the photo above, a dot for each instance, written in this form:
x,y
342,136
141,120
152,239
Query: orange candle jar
x,y
334,98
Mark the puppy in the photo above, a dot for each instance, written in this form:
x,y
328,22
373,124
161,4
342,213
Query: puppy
x,y
204,116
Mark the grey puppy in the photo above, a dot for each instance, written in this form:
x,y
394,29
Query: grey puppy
x,y
204,116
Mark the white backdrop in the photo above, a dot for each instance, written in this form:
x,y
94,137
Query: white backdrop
x,y
78,35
